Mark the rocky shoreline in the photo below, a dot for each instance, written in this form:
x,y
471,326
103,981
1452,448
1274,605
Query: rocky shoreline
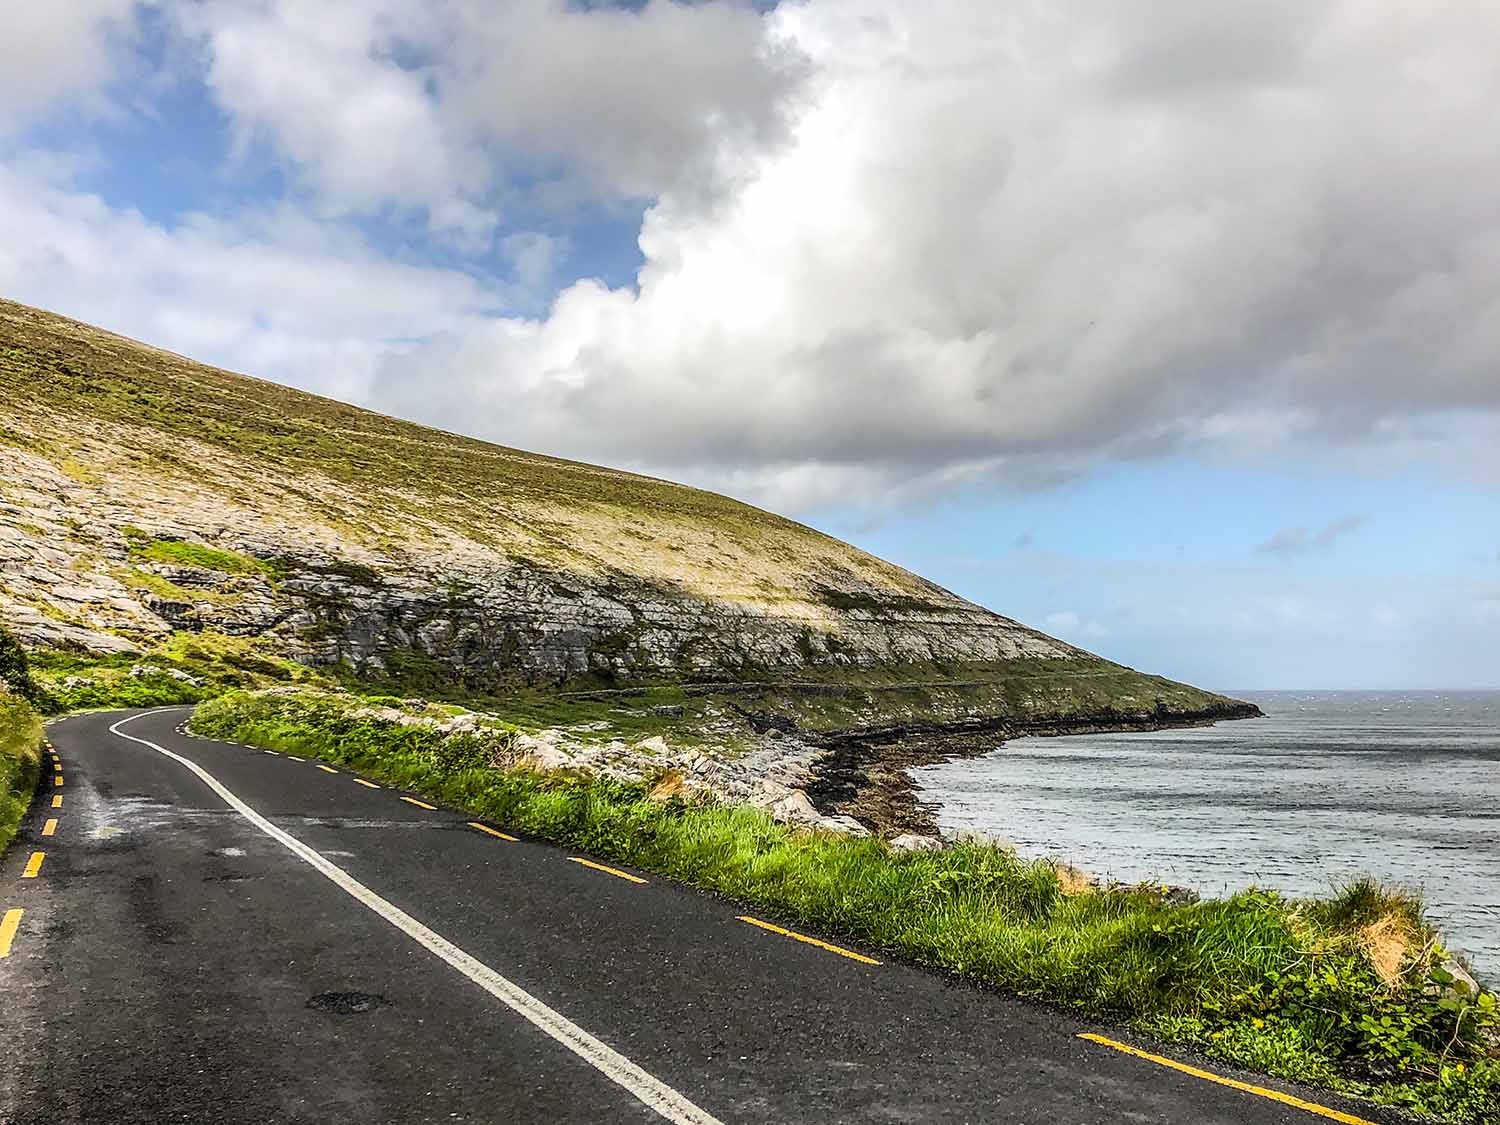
x,y
864,774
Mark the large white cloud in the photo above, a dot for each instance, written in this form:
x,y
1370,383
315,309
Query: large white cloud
x,y
890,247
1016,238
445,104
272,293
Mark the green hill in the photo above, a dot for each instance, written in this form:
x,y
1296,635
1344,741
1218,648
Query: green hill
x,y
161,516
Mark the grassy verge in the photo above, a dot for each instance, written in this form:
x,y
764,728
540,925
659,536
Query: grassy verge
x,y
20,737
1346,993
20,757
185,668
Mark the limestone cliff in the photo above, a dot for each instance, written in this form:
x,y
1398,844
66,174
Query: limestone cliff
x,y
143,494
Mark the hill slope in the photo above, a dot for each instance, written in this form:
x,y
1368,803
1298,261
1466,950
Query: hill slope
x,y
143,496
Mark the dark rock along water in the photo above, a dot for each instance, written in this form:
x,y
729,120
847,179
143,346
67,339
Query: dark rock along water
x,y
1404,786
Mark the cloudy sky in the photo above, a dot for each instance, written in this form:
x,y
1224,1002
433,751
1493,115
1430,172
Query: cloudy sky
x,y
1171,328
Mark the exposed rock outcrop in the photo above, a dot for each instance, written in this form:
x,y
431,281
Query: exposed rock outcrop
x,y
144,496
492,565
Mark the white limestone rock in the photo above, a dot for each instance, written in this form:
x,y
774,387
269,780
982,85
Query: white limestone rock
x,y
841,825
796,809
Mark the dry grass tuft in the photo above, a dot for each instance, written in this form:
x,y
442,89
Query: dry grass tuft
x,y
671,785
1072,881
1387,943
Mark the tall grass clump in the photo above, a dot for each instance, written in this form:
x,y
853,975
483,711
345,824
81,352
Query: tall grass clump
x,y
20,736
20,758
1351,992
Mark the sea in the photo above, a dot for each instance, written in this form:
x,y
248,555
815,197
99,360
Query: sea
x,y
1329,786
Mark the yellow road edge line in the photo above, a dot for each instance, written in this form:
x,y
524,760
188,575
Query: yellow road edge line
x,y
607,870
325,769
8,927
849,953
50,827
366,784
1233,1084
57,767
57,779
420,804
492,831
33,865
57,801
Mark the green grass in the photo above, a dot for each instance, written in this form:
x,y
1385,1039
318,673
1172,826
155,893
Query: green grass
x,y
217,663
81,370
389,494
1256,980
137,579
20,758
180,553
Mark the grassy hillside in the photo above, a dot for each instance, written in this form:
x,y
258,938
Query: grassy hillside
x,y
386,482
146,497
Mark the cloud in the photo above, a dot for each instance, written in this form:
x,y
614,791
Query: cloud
x,y
890,250
1300,540
323,87
442,106
1069,625
57,54
273,292
643,101
535,256
1008,243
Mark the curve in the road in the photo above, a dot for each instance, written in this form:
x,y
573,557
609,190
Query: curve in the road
x,y
191,900
616,1067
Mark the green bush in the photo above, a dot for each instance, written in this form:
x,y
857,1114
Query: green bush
x,y
1256,980
20,758
15,669
212,662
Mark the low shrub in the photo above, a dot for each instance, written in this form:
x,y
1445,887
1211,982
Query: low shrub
x,y
185,668
20,758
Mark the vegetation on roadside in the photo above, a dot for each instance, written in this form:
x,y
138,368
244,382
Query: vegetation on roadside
x,y
185,668
20,758
20,737
1349,993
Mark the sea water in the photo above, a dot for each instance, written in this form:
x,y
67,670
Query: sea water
x,y
1404,786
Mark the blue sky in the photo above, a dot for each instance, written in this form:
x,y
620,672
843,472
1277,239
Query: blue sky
x,y
1168,568
1169,330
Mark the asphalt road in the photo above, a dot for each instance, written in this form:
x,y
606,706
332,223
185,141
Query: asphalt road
x,y
218,934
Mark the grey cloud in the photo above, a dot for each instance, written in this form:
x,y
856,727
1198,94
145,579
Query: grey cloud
x,y
442,105
666,97
892,249
1300,540
960,268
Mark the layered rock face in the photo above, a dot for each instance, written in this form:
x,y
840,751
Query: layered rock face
x,y
142,494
